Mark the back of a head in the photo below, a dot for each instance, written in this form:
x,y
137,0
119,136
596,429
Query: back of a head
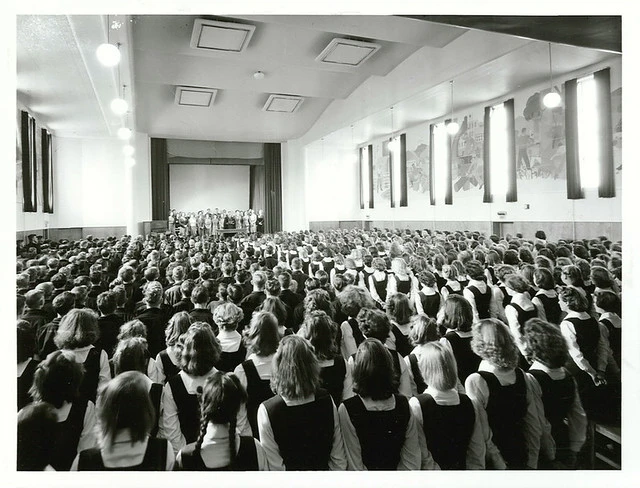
x,y
320,330
262,337
457,313
227,316
131,355
374,323
186,287
46,288
272,288
373,374
133,328
77,329
296,372
398,308
545,343
200,350
107,302
57,379
424,329
63,303
222,396
34,299
37,424
318,299
474,270
438,366
353,298
493,342
259,279
199,295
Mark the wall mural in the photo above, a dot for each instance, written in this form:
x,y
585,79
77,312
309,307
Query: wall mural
x,y
467,154
381,176
418,168
616,114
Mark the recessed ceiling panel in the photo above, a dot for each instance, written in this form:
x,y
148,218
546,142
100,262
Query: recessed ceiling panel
x,y
282,103
221,36
347,52
195,97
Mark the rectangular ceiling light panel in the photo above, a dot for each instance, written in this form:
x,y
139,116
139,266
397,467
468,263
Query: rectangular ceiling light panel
x,y
221,36
346,52
282,103
195,97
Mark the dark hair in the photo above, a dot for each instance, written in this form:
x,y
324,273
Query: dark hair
x,y
57,379
516,282
320,331
296,372
235,293
475,270
398,308
262,337
106,302
545,343
63,303
222,396
131,354
574,299
200,350
318,299
607,301
26,340
457,313
374,323
37,425
353,298
124,403
373,373
199,295
78,328
601,277
274,305
543,279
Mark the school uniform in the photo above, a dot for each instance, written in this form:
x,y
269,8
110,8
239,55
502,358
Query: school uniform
x,y
45,338
332,377
511,411
36,318
109,326
233,350
351,337
96,369
292,443
613,325
480,296
449,432
26,370
74,432
379,434
451,288
155,320
466,360
549,302
518,311
399,338
183,305
203,315
150,454
428,302
255,376
214,453
406,384
166,365
299,277
378,288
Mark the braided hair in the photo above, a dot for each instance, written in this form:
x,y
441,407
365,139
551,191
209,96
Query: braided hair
x,y
221,398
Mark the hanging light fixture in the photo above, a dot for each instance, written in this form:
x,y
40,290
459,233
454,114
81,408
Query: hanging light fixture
x,y
128,150
551,99
107,53
452,126
124,133
119,106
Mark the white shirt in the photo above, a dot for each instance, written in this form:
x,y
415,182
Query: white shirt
x,y
406,387
160,377
230,340
482,288
409,454
569,333
337,457
81,354
511,313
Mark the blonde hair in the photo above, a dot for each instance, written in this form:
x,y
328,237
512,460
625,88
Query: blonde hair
x,y
493,342
438,366
399,266
227,315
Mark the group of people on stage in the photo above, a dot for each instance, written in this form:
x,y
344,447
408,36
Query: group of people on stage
x,y
335,350
208,223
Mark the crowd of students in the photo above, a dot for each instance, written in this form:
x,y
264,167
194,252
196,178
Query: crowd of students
x,y
208,223
335,350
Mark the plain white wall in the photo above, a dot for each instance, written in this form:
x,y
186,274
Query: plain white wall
x,y
196,187
294,215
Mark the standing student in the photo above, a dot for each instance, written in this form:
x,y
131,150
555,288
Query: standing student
x,y
290,441
607,304
510,406
452,285
449,431
352,300
457,318
109,323
227,316
377,426
219,447
154,317
428,300
37,425
423,330
255,372
56,381
126,419
201,312
167,363
320,331
402,281
546,297
518,311
26,363
77,334
478,293
564,432
399,312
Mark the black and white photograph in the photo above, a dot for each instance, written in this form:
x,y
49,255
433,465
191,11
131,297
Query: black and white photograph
x,y
355,240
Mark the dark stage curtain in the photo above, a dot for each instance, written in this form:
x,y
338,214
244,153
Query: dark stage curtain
x,y
256,187
27,135
512,181
403,170
370,163
448,195
392,193
47,171
606,188
159,179
486,156
361,173
273,187
574,186
432,195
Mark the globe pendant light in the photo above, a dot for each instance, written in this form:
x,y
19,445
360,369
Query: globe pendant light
x,y
452,126
551,99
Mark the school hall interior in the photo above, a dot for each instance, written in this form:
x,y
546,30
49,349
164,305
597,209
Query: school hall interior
x,y
432,130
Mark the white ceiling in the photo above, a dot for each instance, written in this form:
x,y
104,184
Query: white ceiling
x,y
62,84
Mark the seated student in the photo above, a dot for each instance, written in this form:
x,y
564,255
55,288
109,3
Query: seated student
x,y
132,355
366,271
402,280
275,306
126,418
564,432
200,312
26,363
298,275
47,290
320,331
457,318
37,425
173,294
375,324
108,323
184,304
56,381
518,311
423,331
378,282
352,300
502,295
135,328
77,334
34,312
398,310
227,317
428,299
452,286
377,426
255,372
546,297
511,408
289,297
449,431
478,293
290,441
219,447
607,304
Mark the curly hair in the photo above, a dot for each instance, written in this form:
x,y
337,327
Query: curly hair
x,y
200,350
493,342
227,315
320,331
318,299
78,328
296,372
133,328
374,323
574,299
516,282
353,298
545,343
423,329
